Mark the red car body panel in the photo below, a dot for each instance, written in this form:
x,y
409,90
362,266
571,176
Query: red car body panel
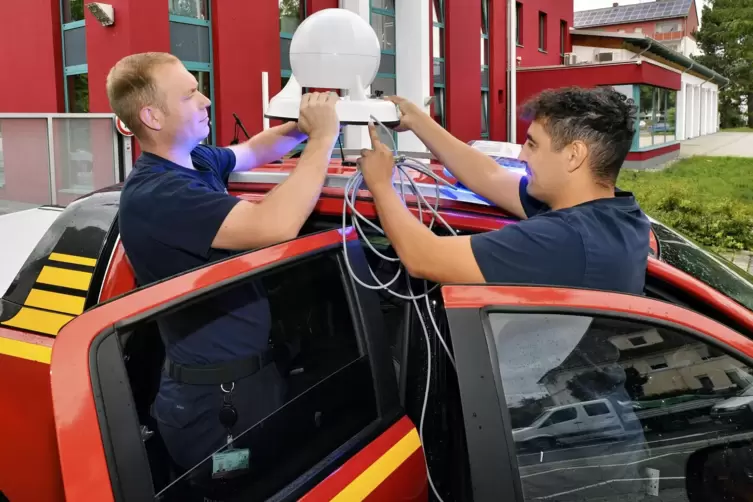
x,y
120,278
30,430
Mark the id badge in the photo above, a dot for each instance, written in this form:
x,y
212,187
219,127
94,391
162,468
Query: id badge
x,y
230,463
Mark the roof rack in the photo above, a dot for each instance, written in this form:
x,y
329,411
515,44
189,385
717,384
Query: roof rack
x,y
338,180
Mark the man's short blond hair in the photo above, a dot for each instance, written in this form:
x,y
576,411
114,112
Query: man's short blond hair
x,y
131,86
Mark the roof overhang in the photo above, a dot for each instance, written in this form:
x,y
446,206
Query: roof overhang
x,y
645,45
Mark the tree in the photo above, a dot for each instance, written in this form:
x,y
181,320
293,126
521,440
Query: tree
x,y
726,39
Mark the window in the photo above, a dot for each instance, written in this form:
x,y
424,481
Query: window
x,y
563,40
191,42
292,13
78,93
485,58
383,22
708,268
438,54
596,409
637,341
197,9
542,31
669,27
657,115
327,391
551,363
73,10
519,24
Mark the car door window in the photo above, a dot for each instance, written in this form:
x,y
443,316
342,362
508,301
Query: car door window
x,y
336,389
672,421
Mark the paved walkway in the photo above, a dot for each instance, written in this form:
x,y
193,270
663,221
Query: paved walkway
x,y
721,144
743,259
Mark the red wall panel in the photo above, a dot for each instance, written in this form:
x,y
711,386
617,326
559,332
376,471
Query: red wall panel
x,y
140,26
692,22
31,57
317,5
650,154
246,40
498,62
532,82
463,68
556,11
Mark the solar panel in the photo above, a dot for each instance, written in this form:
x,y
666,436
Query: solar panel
x,y
632,13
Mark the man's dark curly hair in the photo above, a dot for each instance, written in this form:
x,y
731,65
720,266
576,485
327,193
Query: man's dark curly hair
x,y
602,118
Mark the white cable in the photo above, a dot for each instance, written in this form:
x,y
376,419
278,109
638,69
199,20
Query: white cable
x,y
402,163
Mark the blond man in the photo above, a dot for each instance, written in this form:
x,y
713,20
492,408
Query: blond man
x,y
176,215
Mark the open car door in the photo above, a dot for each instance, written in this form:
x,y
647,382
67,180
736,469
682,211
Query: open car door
x,y
571,394
340,433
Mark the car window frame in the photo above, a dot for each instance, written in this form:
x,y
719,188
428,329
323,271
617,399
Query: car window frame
x,y
125,453
491,449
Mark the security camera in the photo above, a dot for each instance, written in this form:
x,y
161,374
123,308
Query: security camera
x,y
103,12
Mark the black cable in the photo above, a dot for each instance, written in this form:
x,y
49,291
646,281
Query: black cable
x,y
342,153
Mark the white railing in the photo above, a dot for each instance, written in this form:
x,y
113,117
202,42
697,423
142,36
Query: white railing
x,y
54,158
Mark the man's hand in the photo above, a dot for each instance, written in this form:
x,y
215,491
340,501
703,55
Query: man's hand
x,y
317,117
377,164
410,113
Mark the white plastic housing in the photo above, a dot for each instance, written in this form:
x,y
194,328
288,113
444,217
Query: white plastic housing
x,y
333,47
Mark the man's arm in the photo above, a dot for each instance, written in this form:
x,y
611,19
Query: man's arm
x,y
282,213
474,169
424,254
267,146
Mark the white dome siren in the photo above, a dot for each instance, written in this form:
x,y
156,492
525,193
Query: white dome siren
x,y
334,49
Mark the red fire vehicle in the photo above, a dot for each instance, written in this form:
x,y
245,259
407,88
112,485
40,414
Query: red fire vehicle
x,y
549,393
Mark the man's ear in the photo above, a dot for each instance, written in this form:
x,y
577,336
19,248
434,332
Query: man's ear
x,y
151,117
577,153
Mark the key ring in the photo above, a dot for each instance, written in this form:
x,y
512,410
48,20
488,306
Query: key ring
x,y
232,388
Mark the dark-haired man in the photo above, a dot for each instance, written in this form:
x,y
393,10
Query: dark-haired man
x,y
576,229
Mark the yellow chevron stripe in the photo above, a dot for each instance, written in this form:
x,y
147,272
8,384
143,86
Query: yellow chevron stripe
x,y
59,302
40,321
25,350
377,472
76,260
66,278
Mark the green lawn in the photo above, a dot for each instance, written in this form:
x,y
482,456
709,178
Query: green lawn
x,y
737,129
709,199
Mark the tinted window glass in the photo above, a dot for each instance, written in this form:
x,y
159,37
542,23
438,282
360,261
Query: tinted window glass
x,y
704,266
327,394
645,431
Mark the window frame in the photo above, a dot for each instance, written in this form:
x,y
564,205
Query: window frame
x,y
543,21
488,424
115,423
439,88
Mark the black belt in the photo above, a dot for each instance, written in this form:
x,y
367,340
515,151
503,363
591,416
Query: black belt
x,y
217,374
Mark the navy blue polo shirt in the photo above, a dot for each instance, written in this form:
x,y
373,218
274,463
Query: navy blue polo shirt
x,y
169,216
601,244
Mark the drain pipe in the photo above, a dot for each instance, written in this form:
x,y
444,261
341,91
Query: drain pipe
x,y
650,43
512,61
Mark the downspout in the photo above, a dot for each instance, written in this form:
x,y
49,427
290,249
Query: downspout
x,y
512,81
650,43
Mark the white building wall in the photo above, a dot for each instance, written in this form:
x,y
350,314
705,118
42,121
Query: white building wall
x,y
589,54
412,71
357,137
699,112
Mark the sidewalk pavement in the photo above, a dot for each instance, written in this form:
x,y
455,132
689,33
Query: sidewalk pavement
x,y
743,259
721,144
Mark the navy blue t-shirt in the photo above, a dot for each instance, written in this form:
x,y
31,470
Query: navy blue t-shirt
x,y
602,244
169,216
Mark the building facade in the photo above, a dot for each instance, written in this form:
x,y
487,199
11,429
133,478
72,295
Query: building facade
x,y
671,22
454,51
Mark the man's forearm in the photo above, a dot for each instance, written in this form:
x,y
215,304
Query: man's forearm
x,y
410,238
476,170
273,143
291,203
